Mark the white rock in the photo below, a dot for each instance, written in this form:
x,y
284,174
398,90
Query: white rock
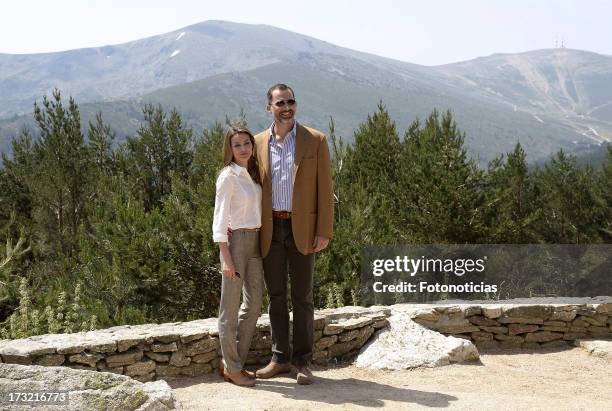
x,y
598,348
89,389
405,344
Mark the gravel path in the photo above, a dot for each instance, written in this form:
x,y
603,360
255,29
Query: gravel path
x,y
568,379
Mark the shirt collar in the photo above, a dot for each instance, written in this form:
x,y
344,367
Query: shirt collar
x,y
290,134
237,170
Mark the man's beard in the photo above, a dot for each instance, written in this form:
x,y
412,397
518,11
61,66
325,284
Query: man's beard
x,y
285,120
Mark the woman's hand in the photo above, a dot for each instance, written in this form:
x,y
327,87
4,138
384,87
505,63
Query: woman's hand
x,y
228,264
229,271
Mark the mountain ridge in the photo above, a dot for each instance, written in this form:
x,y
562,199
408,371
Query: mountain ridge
x,y
495,98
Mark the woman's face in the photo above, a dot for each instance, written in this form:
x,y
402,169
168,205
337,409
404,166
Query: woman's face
x,y
242,149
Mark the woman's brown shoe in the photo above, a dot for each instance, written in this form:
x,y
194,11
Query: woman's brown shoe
x,y
246,373
238,378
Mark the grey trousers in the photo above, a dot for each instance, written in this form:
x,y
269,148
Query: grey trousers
x,y
236,328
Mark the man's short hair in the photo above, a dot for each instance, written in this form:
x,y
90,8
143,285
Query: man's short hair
x,y
281,87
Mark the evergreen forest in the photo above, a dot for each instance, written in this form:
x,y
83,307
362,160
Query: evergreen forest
x,y
96,233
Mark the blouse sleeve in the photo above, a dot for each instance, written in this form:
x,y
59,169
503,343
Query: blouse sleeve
x,y
223,199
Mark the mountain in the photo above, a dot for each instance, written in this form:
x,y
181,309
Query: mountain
x,y
138,67
570,86
546,99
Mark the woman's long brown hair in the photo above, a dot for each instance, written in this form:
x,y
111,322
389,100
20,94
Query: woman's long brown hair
x,y
228,157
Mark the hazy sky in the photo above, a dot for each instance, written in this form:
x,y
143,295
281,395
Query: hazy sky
x,y
424,32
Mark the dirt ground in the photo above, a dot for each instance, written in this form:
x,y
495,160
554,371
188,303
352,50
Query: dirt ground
x,y
568,379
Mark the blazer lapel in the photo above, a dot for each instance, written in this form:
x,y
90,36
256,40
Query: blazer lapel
x,y
300,148
264,155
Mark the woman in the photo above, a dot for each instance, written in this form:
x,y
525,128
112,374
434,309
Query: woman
x,y
238,206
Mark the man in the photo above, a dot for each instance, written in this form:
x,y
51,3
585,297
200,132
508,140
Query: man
x,y
297,221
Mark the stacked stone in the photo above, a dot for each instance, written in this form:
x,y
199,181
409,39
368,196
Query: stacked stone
x,y
141,352
260,351
338,334
520,326
342,339
154,351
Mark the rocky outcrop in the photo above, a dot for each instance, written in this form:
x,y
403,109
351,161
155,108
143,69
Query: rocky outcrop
x,y
406,344
82,390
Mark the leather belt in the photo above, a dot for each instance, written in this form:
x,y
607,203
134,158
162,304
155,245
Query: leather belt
x,y
248,230
284,215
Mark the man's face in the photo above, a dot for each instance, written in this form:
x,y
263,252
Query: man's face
x,y
282,106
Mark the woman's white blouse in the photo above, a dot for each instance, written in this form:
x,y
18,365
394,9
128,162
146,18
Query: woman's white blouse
x,y
237,203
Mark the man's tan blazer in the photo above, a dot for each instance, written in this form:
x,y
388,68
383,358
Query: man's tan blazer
x,y
313,199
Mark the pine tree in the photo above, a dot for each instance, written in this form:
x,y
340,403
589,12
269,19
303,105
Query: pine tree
x,y
61,178
207,163
100,144
441,189
15,176
162,147
364,189
374,159
194,280
124,256
158,264
604,182
572,208
371,169
510,209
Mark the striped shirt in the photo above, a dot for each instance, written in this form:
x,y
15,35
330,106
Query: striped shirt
x,y
281,165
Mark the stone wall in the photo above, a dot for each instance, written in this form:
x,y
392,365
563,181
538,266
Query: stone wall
x,y
150,351
520,325
154,351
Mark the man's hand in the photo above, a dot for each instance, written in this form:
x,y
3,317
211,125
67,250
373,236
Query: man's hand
x,y
320,243
229,233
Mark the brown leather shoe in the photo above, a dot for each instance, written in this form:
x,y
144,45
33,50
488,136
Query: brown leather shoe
x,y
247,373
272,369
238,378
304,376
